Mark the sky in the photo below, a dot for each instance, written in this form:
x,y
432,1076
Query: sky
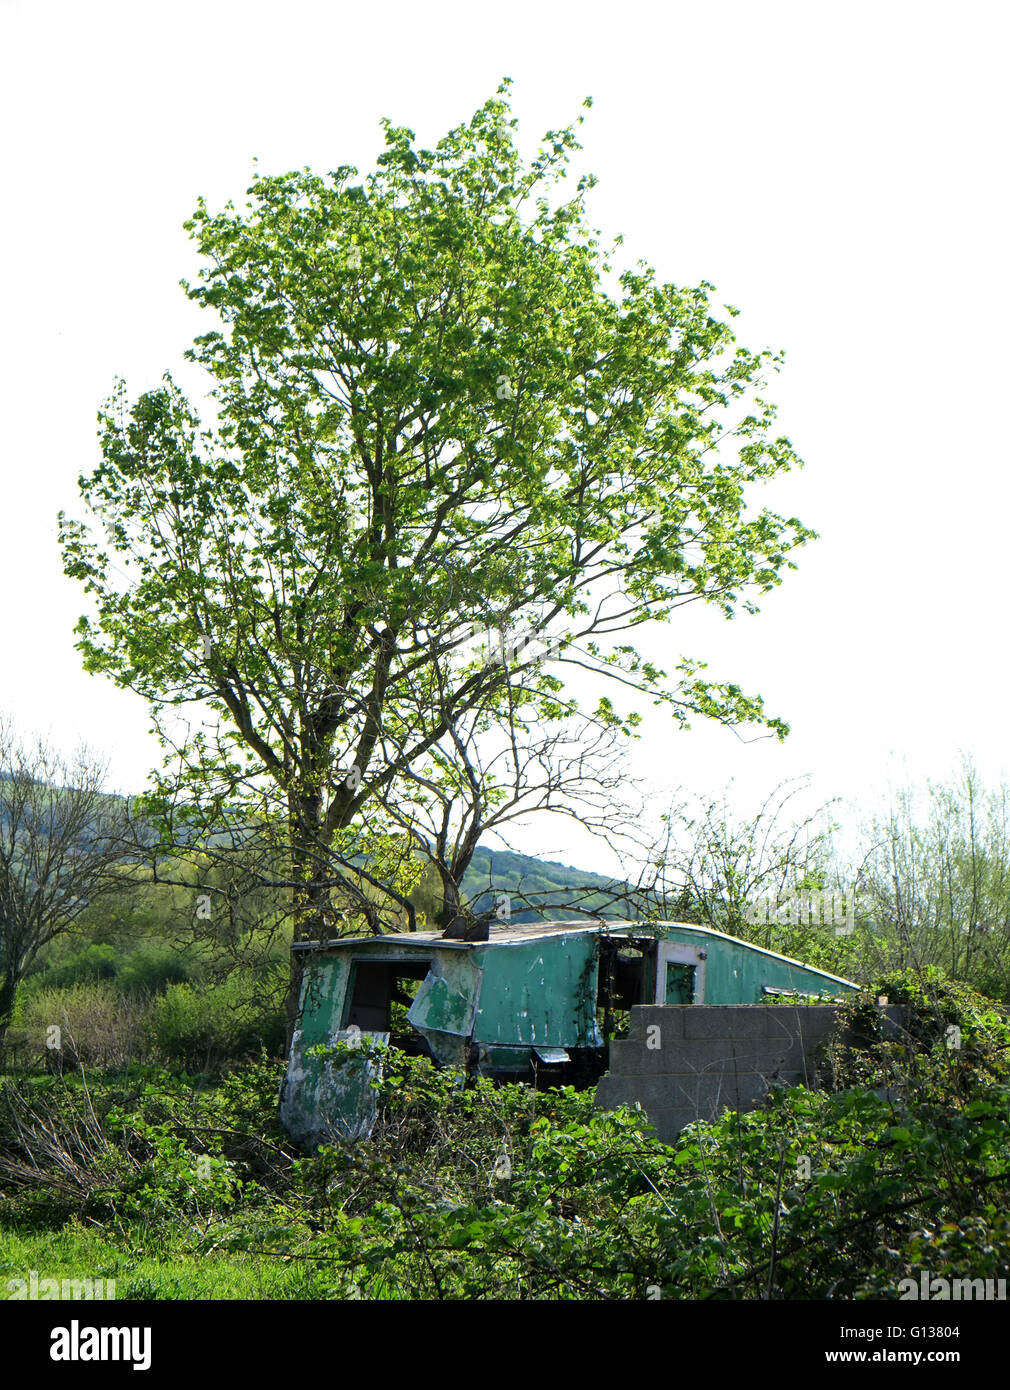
x,y
837,171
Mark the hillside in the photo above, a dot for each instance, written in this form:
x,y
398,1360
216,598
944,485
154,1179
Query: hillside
x,y
537,888
541,888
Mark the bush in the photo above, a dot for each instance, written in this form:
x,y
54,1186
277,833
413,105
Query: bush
x,y
230,1020
96,1024
485,1192
151,969
80,967
157,1154
147,969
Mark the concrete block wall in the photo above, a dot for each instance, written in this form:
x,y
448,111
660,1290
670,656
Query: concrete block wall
x,y
685,1062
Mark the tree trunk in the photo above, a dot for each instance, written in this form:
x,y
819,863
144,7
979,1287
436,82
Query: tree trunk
x,y
311,901
291,999
8,989
450,897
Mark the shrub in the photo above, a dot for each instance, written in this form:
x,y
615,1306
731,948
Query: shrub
x,y
233,1019
81,967
483,1192
151,969
97,1025
147,969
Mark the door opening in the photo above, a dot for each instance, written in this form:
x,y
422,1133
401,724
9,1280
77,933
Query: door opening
x,y
379,995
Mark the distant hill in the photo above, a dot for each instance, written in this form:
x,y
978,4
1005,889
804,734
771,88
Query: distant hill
x,y
538,888
542,888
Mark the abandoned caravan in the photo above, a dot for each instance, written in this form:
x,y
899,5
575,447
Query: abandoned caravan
x,y
531,1002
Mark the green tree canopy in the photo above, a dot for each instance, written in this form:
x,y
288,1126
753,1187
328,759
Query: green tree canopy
x,y
434,404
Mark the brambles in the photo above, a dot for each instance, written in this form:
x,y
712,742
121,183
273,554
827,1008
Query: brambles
x,y
469,1189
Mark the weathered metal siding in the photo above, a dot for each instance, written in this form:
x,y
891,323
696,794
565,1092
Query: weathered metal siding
x,y
507,998
324,987
540,993
324,1096
444,1008
319,1098
736,970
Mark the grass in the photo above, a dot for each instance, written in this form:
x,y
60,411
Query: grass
x,y
75,1252
166,1259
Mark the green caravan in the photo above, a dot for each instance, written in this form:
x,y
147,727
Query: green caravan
x,y
537,1001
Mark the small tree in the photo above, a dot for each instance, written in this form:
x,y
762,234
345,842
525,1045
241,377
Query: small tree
x,y
721,863
60,838
938,878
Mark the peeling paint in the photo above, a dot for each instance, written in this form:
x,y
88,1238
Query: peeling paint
x,y
326,1098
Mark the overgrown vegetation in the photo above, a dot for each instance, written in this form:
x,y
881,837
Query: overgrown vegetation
x,y
482,1191
146,1148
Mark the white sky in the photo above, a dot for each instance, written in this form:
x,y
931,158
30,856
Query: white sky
x,y
838,171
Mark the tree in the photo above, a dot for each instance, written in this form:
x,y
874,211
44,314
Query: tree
x,y
432,417
722,864
61,838
937,878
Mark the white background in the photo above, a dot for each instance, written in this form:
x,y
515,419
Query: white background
x,y
839,173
